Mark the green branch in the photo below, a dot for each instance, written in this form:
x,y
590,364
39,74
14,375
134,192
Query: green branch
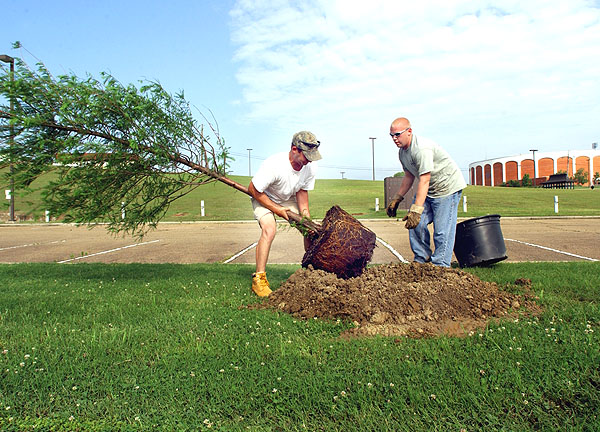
x,y
104,143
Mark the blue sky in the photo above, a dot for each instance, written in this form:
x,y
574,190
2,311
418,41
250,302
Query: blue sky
x,y
483,78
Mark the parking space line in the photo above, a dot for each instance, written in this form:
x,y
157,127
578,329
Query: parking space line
x,y
31,244
107,251
242,252
553,250
392,250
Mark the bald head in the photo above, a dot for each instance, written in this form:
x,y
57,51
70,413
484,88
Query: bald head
x,y
400,123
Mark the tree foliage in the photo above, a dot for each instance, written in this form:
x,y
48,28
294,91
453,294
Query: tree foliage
x,y
581,176
105,144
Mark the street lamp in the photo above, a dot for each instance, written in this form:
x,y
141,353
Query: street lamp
x,y
373,151
342,173
249,165
534,172
9,59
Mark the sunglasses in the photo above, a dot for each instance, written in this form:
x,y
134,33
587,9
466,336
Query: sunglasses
x,y
397,134
311,145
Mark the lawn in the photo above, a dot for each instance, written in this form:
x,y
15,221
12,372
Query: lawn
x,y
101,347
358,197
120,347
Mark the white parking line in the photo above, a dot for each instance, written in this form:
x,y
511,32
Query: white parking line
x,y
31,244
242,252
553,250
107,251
392,250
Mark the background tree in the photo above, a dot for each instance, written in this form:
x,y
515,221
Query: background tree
x,y
105,144
581,176
526,181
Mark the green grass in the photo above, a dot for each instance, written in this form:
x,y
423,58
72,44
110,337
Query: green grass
x,y
508,201
97,347
357,197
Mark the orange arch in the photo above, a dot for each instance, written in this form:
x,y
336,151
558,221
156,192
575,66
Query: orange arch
x,y
583,162
561,165
596,168
487,169
479,176
545,167
512,171
527,168
497,173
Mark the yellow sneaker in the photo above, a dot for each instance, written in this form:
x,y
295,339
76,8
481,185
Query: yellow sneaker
x,y
260,284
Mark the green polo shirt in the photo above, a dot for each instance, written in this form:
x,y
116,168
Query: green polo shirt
x,y
425,156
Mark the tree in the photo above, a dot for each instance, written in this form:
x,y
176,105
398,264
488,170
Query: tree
x,y
400,174
106,144
526,181
581,176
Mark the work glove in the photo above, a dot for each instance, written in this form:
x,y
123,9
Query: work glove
x,y
413,217
393,205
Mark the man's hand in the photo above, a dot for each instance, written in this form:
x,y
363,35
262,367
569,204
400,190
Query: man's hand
x,y
413,217
282,212
393,205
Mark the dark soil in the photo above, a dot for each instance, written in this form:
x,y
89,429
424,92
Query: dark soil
x,y
343,246
413,300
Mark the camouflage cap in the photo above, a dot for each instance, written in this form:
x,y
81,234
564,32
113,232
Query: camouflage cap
x,y
307,143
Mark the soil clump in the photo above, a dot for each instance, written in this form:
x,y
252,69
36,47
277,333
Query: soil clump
x,y
414,300
343,246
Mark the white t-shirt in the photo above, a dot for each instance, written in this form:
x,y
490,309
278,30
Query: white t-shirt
x,y
280,181
425,156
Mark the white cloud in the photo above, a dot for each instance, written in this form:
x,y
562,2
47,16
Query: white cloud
x,y
483,78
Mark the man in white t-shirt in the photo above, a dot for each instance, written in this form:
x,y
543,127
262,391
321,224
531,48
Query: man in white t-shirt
x,y
281,183
439,188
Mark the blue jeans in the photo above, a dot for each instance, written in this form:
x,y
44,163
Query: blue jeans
x,y
442,212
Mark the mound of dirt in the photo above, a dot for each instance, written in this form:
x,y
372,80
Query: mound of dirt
x,y
401,300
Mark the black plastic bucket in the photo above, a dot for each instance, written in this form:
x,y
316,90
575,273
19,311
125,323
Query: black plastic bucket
x,y
479,241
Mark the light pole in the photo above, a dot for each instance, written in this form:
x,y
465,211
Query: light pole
x,y
534,172
373,151
342,173
9,59
249,165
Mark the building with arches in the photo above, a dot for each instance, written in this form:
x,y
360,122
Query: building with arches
x,y
494,172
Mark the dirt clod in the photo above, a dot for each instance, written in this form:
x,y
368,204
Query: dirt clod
x,y
413,300
344,246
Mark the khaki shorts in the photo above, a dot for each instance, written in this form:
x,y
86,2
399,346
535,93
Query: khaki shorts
x,y
260,211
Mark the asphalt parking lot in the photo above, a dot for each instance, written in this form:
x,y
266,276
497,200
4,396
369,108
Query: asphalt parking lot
x,y
526,239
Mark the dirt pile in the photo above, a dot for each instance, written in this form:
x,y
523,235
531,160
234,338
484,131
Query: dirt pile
x,y
401,299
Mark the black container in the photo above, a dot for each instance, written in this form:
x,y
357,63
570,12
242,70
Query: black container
x,y
479,241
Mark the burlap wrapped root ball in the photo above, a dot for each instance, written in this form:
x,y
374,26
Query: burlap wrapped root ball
x,y
343,246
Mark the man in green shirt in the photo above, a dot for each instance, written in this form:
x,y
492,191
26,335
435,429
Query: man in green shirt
x,y
439,188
